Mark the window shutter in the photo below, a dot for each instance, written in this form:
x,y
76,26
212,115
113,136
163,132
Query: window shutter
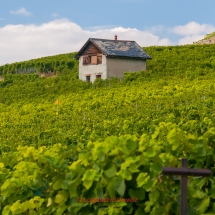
x,y
88,59
93,59
85,60
99,59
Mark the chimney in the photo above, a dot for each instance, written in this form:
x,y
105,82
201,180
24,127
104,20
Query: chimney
x,y
115,37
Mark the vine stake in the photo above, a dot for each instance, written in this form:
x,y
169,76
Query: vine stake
x,y
184,172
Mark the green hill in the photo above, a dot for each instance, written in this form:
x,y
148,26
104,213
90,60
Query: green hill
x,y
59,64
107,140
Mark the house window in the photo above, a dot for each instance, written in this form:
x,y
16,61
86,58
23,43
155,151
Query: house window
x,y
94,59
99,59
87,77
98,76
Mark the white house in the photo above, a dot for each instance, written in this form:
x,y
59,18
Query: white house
x,y
102,58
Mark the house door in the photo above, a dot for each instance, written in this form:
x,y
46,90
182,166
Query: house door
x,y
88,78
98,76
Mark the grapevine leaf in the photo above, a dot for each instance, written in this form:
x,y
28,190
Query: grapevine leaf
x,y
61,209
49,202
148,185
199,194
110,172
154,196
18,208
61,197
119,185
125,173
6,210
57,184
89,175
142,179
156,167
88,178
131,145
99,190
138,193
204,205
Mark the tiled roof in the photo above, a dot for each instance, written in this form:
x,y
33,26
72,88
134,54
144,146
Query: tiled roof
x,y
120,48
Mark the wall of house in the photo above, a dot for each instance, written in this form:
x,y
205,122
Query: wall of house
x,y
117,66
110,67
92,70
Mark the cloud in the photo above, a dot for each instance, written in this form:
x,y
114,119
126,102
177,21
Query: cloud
x,y
158,29
192,32
190,39
193,28
21,11
23,42
55,15
101,27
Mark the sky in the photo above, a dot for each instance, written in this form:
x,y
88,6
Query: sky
x,y
38,28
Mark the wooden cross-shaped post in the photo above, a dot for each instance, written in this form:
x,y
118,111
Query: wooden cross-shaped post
x,y
184,171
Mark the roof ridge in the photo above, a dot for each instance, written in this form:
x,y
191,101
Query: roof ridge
x,y
113,40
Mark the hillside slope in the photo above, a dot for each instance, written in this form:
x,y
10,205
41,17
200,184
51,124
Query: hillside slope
x,y
208,39
185,64
58,64
169,60
110,139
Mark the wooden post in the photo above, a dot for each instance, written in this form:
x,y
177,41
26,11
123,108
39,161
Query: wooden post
x,y
184,179
184,171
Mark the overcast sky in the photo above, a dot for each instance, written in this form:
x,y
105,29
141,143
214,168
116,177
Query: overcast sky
x,y
36,28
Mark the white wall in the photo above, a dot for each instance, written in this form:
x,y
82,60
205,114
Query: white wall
x,y
100,69
110,67
117,66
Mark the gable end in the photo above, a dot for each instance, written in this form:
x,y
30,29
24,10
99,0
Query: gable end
x,y
90,49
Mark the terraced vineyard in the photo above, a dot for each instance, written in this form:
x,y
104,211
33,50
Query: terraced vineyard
x,y
108,141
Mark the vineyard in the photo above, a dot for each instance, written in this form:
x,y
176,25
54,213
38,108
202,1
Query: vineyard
x,y
107,140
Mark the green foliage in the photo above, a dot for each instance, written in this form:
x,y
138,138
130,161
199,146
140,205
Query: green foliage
x,y
61,64
109,140
47,181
